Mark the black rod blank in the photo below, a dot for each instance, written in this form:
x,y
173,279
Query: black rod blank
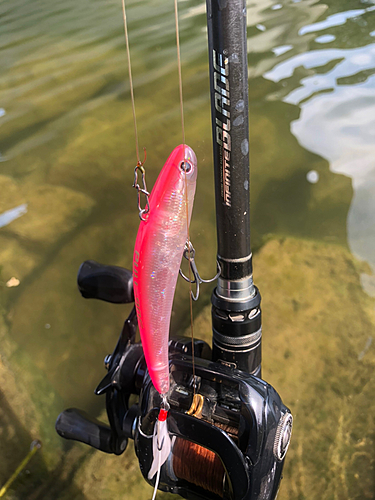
x,y
227,46
236,314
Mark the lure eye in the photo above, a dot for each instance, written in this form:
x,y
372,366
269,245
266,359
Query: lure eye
x,y
186,166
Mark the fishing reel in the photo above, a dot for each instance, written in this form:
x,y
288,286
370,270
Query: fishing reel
x,y
230,430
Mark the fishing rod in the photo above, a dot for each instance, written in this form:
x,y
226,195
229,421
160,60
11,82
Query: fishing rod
x,y
230,430
236,313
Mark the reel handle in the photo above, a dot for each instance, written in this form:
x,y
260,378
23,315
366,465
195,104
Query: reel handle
x,y
109,283
78,425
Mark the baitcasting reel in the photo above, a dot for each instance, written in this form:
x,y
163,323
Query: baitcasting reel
x,y
230,430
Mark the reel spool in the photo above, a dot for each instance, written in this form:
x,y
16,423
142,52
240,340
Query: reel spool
x,y
199,466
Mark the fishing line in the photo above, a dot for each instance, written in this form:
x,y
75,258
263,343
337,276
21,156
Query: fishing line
x,y
131,82
142,211
186,195
179,69
157,478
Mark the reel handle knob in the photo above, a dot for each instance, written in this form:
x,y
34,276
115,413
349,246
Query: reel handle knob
x,y
78,425
109,283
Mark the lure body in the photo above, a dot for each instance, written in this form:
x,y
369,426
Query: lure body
x,y
157,257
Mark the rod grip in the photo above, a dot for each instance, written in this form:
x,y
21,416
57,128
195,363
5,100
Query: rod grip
x,y
78,425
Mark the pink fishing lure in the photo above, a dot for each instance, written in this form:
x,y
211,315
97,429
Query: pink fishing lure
x,y
157,257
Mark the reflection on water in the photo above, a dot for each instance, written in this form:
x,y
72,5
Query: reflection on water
x,y
67,157
337,121
335,20
10,215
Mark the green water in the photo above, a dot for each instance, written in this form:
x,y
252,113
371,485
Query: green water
x,y
67,157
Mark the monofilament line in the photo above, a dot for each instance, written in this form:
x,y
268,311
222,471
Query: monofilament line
x,y
131,81
179,71
186,199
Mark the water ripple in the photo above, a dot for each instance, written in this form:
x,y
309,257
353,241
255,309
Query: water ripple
x,y
340,127
334,20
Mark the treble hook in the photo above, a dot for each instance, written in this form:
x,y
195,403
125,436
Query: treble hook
x,y
189,254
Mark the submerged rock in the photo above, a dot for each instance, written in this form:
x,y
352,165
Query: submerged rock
x,y
317,322
52,212
11,195
32,221
15,260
